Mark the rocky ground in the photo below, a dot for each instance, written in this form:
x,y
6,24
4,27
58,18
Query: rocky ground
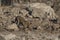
x,y
30,20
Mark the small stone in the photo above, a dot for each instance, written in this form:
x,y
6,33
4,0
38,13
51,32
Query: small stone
x,y
24,12
12,27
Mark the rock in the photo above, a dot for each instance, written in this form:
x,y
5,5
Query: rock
x,y
15,11
24,12
1,38
12,27
34,24
42,10
8,36
16,5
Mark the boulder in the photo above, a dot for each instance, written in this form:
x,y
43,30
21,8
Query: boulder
x,y
42,10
